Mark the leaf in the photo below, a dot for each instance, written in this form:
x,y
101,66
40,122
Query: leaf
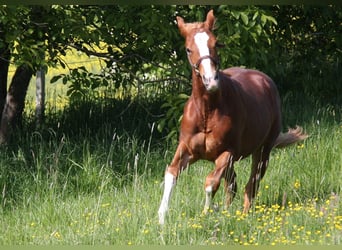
x,y
263,20
256,14
56,78
244,18
183,96
65,80
62,64
161,125
272,19
235,14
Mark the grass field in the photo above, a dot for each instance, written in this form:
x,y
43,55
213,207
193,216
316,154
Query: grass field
x,y
100,182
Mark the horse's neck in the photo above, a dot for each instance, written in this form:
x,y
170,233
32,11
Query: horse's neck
x,y
204,101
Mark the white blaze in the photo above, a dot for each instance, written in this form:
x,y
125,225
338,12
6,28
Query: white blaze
x,y
201,40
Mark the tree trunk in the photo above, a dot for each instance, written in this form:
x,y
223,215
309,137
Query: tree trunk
x,y
40,97
4,64
15,102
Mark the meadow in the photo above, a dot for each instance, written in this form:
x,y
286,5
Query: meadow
x,y
92,175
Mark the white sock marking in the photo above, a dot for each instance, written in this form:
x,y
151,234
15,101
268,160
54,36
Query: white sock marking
x,y
208,194
170,181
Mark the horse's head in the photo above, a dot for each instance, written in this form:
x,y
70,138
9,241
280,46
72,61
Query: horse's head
x,y
200,44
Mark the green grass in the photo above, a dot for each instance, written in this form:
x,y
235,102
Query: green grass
x,y
100,182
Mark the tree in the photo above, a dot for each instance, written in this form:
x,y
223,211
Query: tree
x,y
140,45
26,33
307,49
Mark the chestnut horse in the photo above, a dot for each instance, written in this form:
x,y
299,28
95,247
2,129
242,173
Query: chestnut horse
x,y
230,115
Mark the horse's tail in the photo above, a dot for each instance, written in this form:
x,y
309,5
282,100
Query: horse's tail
x,y
292,136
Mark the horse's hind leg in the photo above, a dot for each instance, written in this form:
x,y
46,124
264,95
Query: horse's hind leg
x,y
230,184
259,166
223,169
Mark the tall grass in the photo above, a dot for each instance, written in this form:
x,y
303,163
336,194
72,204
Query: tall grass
x,y
99,181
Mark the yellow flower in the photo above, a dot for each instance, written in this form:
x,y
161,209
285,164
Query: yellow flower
x,y
105,205
57,235
297,184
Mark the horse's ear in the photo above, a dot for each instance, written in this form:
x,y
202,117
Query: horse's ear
x,y
181,25
210,21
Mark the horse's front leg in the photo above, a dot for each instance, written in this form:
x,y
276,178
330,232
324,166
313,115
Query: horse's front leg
x,y
223,168
180,161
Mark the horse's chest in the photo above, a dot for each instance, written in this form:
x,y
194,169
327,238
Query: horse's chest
x,y
212,139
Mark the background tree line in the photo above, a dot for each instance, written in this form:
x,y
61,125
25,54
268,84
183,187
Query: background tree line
x,y
298,46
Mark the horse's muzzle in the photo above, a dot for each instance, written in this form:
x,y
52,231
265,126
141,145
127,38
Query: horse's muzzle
x,y
211,83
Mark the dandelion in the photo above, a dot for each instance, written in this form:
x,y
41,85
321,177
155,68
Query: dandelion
x,y
238,213
105,205
56,234
196,226
224,212
297,184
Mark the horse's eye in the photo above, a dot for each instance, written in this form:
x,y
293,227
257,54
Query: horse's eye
x,y
188,51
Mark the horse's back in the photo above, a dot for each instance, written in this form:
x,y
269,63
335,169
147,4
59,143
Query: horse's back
x,y
238,73
253,82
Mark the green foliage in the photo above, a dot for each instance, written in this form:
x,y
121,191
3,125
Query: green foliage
x,y
246,31
82,82
306,50
148,49
171,121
